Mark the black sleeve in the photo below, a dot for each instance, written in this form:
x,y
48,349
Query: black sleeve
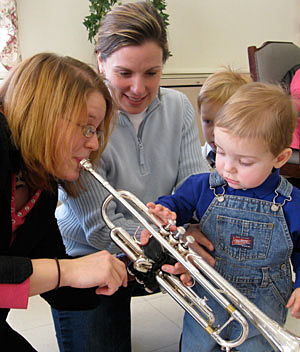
x,y
68,298
14,270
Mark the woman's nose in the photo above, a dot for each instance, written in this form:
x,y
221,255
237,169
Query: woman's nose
x,y
92,142
137,85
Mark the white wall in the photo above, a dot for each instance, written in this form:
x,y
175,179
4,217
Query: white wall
x,y
203,34
55,26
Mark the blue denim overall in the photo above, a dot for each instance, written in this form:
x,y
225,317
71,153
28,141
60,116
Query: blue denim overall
x,y
252,251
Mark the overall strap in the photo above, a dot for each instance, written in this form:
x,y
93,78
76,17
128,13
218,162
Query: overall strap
x,y
215,180
284,188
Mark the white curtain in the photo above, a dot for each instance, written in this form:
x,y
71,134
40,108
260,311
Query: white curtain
x,y
9,48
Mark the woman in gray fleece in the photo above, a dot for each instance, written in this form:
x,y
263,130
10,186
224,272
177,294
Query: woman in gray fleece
x,y
153,148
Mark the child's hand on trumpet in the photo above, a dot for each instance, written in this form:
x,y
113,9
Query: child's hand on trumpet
x,y
294,303
202,246
164,215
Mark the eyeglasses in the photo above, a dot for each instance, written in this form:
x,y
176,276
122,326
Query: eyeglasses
x,y
89,130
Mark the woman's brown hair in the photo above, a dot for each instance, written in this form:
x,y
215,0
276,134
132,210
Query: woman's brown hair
x,y
40,93
131,24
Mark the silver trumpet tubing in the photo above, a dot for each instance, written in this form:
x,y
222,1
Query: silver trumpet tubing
x,y
223,292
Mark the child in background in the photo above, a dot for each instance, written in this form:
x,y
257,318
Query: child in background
x,y
216,90
248,211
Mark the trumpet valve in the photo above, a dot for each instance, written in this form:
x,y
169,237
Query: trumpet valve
x,y
180,232
188,241
183,246
173,240
143,265
170,223
175,237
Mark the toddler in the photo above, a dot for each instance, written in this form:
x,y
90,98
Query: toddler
x,y
248,211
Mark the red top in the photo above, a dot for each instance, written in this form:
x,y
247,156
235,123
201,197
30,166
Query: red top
x,y
16,295
295,92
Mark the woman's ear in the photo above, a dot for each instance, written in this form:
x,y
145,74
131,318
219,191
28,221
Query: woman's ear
x,y
282,157
100,62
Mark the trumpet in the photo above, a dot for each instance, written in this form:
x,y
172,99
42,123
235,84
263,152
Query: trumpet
x,y
220,289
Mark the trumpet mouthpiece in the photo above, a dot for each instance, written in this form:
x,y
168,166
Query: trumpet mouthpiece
x,y
85,164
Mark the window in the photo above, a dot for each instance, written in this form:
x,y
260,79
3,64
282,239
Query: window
x,y
3,39
9,54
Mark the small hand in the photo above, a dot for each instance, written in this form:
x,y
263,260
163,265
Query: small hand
x,y
294,302
200,242
162,213
178,269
